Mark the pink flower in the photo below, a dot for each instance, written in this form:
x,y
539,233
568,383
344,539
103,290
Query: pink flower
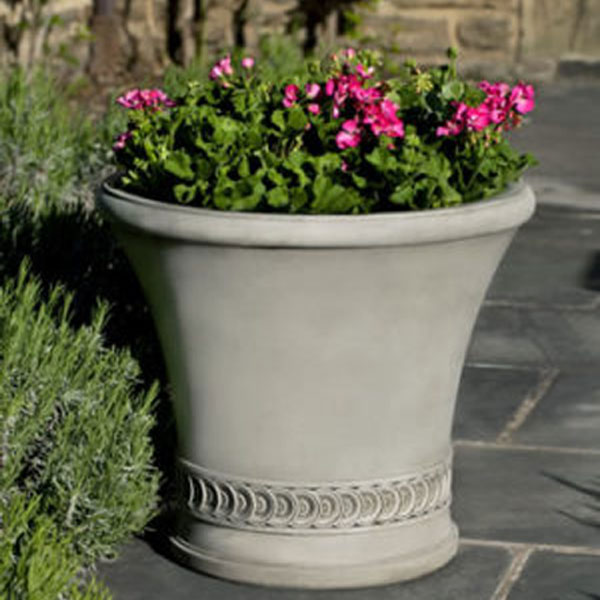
x,y
330,87
291,95
121,141
351,125
349,136
347,140
344,166
247,62
522,97
226,65
130,99
221,68
314,108
383,119
137,99
365,73
457,123
477,118
216,72
349,53
312,90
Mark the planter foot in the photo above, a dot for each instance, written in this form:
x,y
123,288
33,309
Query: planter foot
x,y
320,560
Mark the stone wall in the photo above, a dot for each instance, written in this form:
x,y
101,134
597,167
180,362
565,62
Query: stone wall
x,y
522,37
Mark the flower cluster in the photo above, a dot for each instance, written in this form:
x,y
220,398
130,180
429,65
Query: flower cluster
x,y
137,99
223,69
334,137
351,95
503,108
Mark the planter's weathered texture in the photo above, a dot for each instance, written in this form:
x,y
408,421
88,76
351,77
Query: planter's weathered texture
x,y
315,363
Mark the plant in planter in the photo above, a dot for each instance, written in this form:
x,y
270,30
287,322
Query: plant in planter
x,y
315,252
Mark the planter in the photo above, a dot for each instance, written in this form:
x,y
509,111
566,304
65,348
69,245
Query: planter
x,y
314,364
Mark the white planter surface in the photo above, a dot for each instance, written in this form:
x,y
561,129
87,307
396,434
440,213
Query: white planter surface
x,y
314,364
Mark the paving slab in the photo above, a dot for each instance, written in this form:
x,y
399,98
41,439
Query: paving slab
x,y
564,133
143,574
513,495
551,262
568,415
504,336
487,399
550,576
514,336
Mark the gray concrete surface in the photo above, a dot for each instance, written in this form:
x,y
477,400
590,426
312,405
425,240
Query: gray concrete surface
x,y
527,428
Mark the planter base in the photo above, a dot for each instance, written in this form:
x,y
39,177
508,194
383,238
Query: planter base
x,y
319,560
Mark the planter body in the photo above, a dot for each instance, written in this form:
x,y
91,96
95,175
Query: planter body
x,y
315,363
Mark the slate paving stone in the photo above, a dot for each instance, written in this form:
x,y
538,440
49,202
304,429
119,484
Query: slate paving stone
x,y
565,142
562,225
503,336
562,338
538,270
142,574
568,338
513,495
568,415
487,399
549,576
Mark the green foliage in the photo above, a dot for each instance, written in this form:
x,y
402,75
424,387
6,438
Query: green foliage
x,y
234,144
76,477
36,561
46,147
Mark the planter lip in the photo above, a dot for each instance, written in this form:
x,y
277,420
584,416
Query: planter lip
x,y
507,210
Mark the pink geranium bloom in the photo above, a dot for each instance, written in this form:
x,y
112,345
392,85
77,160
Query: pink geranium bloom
x,y
291,95
247,62
312,90
216,72
221,68
351,125
365,73
330,87
121,141
314,108
497,108
226,65
344,140
522,97
457,123
137,99
477,118
349,136
350,53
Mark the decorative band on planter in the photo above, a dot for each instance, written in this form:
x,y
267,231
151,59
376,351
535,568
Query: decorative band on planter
x,y
269,506
315,362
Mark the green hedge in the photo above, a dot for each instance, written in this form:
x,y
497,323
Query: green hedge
x,y
76,477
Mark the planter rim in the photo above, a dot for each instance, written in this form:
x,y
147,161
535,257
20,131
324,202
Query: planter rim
x,y
504,211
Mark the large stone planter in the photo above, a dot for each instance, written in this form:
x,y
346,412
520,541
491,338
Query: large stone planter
x,y
314,364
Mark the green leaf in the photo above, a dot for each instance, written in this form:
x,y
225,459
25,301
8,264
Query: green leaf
x,y
297,119
359,182
278,198
453,90
180,164
403,194
278,119
184,193
244,167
